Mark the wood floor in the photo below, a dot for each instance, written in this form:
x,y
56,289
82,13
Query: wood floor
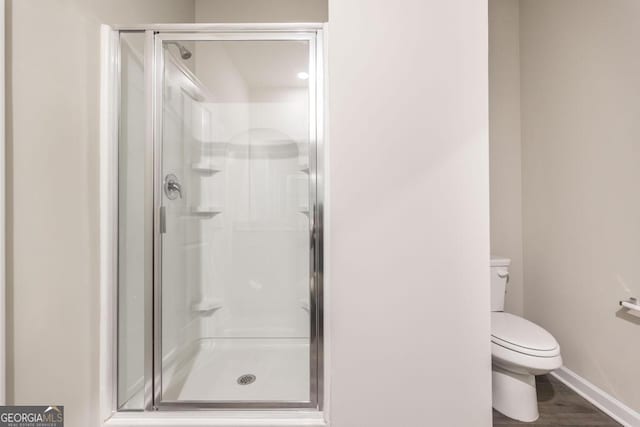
x,y
560,406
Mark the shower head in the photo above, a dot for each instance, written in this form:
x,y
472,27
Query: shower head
x,y
184,52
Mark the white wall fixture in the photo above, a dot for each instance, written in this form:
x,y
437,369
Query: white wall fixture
x,y
520,350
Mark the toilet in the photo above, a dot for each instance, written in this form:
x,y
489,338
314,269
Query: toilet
x,y
520,350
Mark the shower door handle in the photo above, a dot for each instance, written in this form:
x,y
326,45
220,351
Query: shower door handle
x,y
163,219
172,188
312,234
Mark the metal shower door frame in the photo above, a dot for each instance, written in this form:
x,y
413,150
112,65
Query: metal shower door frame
x,y
154,68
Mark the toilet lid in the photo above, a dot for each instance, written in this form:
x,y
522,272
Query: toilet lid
x,y
521,335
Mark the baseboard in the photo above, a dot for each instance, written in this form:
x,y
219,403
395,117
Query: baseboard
x,y
598,397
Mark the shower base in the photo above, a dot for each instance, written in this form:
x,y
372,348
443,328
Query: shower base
x,y
215,368
280,367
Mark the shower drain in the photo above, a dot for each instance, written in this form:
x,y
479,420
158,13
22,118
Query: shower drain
x,y
246,379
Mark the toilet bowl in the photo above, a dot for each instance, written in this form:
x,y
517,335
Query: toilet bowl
x,y
520,350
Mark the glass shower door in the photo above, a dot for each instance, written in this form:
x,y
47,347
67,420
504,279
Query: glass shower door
x,y
236,316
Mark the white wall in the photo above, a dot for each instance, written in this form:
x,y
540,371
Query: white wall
x,y
504,147
581,169
261,11
409,212
52,186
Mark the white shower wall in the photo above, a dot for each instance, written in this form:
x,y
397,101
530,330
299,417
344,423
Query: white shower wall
x,y
252,258
181,243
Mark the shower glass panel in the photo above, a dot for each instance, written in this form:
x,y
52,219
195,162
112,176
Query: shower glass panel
x,y
134,226
235,185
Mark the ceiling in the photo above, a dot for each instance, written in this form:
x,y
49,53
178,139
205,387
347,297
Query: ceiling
x,y
266,64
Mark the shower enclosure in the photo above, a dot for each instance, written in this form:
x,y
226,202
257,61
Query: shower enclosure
x,y
219,217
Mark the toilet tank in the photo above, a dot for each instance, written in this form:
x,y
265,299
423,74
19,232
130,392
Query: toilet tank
x,y
499,278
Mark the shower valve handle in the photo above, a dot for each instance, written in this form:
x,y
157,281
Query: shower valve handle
x,y
172,188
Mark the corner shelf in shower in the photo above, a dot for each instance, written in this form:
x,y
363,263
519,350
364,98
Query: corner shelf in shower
x,y
205,211
206,305
205,168
303,166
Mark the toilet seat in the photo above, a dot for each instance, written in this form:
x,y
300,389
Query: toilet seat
x,y
522,336
521,346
